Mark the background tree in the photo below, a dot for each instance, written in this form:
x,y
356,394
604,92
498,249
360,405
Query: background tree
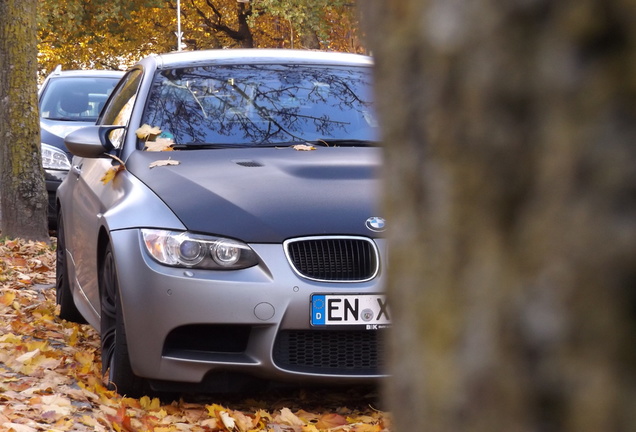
x,y
114,34
24,200
102,34
510,190
314,24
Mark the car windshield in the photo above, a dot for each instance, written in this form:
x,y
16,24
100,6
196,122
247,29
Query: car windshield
x,y
75,98
263,104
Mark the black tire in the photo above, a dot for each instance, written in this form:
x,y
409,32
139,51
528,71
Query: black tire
x,y
63,295
115,358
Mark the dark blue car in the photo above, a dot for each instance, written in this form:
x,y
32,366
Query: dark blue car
x,y
68,100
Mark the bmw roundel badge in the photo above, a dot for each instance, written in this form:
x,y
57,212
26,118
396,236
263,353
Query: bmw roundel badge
x,y
376,224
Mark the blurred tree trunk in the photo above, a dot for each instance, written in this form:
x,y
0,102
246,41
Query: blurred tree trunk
x,y
510,130
24,200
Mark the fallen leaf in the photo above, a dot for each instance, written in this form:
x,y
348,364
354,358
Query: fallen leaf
x,y
153,404
50,373
303,147
288,417
160,144
363,427
329,421
146,131
27,357
15,427
7,298
165,162
227,420
111,173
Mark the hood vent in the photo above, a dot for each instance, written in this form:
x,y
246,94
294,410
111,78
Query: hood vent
x,y
248,163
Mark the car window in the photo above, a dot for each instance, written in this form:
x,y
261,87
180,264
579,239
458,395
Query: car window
x,y
68,98
119,108
262,104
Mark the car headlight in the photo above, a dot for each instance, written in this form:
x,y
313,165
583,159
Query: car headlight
x,y
54,159
182,249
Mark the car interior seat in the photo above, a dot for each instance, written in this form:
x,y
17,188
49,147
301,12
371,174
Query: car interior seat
x,y
74,103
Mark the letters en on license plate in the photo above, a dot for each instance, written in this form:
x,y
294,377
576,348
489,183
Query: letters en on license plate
x,y
367,310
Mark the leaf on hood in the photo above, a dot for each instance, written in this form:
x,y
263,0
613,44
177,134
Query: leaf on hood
x,y
160,144
164,162
303,147
146,131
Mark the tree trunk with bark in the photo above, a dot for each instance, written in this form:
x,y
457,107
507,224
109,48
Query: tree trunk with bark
x,y
24,199
510,133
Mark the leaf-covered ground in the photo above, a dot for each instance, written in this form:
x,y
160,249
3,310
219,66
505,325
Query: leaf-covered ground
x,y
50,375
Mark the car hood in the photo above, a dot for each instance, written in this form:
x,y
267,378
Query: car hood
x,y
61,128
53,132
267,195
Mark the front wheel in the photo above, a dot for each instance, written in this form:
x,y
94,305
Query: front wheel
x,y
115,358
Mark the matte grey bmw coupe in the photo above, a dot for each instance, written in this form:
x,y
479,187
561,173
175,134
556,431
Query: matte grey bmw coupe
x,y
220,223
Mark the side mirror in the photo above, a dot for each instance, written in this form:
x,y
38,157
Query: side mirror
x,y
90,141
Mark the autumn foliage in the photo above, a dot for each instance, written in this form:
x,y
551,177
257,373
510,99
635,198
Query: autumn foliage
x,y
114,34
50,375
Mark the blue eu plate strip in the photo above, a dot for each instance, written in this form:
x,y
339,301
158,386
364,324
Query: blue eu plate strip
x,y
318,310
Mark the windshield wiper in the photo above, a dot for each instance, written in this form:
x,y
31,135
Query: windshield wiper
x,y
69,119
328,142
199,146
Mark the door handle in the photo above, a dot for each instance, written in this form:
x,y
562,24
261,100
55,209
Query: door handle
x,y
77,170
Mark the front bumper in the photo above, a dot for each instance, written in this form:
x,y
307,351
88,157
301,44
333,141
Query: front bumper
x,y
183,325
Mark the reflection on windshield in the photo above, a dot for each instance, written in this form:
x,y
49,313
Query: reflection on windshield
x,y
262,104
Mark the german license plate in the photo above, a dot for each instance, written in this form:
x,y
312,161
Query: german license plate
x,y
369,310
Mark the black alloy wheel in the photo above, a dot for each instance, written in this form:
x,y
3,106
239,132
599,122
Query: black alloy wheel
x,y
63,295
115,358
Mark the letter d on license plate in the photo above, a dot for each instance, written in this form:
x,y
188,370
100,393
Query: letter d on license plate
x,y
338,309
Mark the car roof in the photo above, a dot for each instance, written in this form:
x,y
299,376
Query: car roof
x,y
258,55
86,73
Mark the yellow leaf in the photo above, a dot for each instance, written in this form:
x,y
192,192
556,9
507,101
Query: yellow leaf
x,y
150,404
366,428
86,359
164,163
214,408
10,338
27,357
7,298
160,144
73,338
288,417
146,130
111,173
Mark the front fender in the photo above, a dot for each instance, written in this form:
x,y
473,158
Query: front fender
x,y
138,207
